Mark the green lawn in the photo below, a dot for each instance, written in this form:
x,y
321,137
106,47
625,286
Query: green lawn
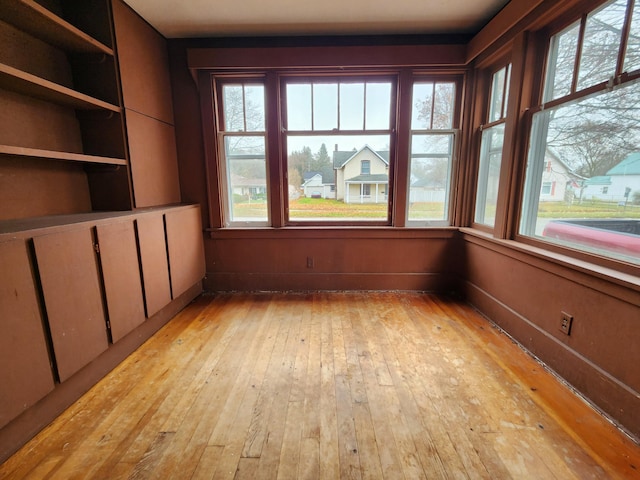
x,y
590,209
319,208
335,209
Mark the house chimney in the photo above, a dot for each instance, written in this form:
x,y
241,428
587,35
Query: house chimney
x,y
336,148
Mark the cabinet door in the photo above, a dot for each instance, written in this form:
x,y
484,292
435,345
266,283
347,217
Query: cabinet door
x,y
121,276
186,250
153,256
25,371
73,298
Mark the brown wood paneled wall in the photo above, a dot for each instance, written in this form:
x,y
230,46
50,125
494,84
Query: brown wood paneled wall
x,y
146,92
526,295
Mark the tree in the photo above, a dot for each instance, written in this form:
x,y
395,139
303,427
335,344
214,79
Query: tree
x,y
298,163
595,133
435,109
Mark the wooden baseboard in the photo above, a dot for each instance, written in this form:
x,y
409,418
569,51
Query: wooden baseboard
x,y
24,427
428,282
605,392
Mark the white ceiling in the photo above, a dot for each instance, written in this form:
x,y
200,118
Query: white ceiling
x,y
214,18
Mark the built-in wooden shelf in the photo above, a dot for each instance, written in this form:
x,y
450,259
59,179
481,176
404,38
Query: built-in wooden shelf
x,y
33,18
31,85
10,150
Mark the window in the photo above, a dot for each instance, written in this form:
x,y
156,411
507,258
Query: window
x,y
546,188
242,141
587,121
432,146
342,129
308,146
491,149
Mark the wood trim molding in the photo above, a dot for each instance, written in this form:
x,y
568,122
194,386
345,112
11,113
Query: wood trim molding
x,y
326,57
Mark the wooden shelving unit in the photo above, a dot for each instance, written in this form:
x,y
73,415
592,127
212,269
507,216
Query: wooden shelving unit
x,y
8,150
33,18
33,86
63,116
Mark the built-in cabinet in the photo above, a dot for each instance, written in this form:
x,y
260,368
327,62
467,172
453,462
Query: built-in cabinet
x,y
89,203
71,291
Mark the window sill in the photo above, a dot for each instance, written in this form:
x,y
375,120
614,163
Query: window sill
x,y
333,231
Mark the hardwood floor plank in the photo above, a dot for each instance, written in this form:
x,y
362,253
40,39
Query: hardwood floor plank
x,y
208,462
362,385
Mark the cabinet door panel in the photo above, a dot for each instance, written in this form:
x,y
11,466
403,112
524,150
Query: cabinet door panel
x,y
121,276
155,268
25,372
186,249
73,299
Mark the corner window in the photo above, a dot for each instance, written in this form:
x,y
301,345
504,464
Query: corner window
x,y
242,144
589,134
338,131
491,149
432,147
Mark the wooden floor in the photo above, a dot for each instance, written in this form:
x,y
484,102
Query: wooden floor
x,y
328,385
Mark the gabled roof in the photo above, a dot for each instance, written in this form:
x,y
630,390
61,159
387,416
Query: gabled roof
x,y
341,158
629,166
599,180
427,183
327,179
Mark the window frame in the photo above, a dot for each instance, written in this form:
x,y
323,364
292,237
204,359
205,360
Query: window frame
x,y
451,202
331,76
225,192
485,123
539,51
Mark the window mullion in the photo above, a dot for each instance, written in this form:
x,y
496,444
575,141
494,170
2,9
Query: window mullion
x,y
276,154
626,28
576,62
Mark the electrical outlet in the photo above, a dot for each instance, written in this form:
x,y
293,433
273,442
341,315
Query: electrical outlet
x,y
565,323
309,262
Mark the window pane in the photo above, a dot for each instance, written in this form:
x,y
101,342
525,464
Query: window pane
x,y
246,178
422,106
560,63
497,95
352,106
443,105
429,176
601,44
378,106
582,184
328,179
233,107
325,106
243,107
489,174
632,58
299,107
